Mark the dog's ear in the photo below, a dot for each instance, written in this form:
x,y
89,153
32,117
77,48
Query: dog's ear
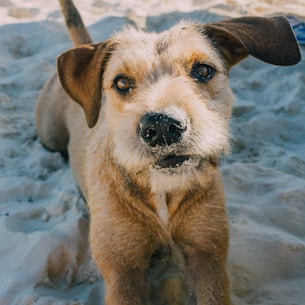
x,y
80,73
269,39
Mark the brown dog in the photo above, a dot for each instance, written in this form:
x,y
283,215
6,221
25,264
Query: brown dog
x,y
150,123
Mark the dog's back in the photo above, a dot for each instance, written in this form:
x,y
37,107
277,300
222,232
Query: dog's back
x,y
50,119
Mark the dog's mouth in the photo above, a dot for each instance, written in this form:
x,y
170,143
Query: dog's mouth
x,y
172,161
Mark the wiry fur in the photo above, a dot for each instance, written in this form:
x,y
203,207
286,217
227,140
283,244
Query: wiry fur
x,y
159,234
166,88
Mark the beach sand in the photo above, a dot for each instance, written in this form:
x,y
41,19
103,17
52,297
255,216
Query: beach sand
x,y
44,253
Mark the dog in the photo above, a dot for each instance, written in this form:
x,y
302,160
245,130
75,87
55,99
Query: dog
x,y
144,118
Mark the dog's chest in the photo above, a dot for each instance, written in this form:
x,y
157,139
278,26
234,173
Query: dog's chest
x,y
162,208
165,205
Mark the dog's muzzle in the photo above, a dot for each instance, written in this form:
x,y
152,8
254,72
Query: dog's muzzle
x,y
159,130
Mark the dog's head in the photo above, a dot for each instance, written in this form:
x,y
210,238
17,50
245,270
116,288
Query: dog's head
x,y
165,97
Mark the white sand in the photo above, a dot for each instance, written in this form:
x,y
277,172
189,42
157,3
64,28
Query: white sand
x,y
44,256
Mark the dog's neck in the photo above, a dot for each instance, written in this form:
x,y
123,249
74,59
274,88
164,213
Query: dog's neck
x,y
164,204
135,191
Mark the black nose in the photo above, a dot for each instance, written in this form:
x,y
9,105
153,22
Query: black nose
x,y
160,129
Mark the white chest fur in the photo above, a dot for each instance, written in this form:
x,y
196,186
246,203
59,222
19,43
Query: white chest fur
x,y
162,208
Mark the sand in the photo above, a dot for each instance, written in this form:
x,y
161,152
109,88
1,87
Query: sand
x,y
44,256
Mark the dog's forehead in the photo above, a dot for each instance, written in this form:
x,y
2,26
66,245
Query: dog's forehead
x,y
178,44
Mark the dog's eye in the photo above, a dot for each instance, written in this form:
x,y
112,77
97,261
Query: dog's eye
x,y
202,72
123,84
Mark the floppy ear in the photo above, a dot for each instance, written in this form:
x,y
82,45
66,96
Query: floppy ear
x,y
269,39
80,73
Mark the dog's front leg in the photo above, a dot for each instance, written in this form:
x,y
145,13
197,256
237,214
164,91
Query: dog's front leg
x,y
124,270
208,282
122,244
125,278
126,287
203,237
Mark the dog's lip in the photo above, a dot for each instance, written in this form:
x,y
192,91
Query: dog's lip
x,y
172,161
